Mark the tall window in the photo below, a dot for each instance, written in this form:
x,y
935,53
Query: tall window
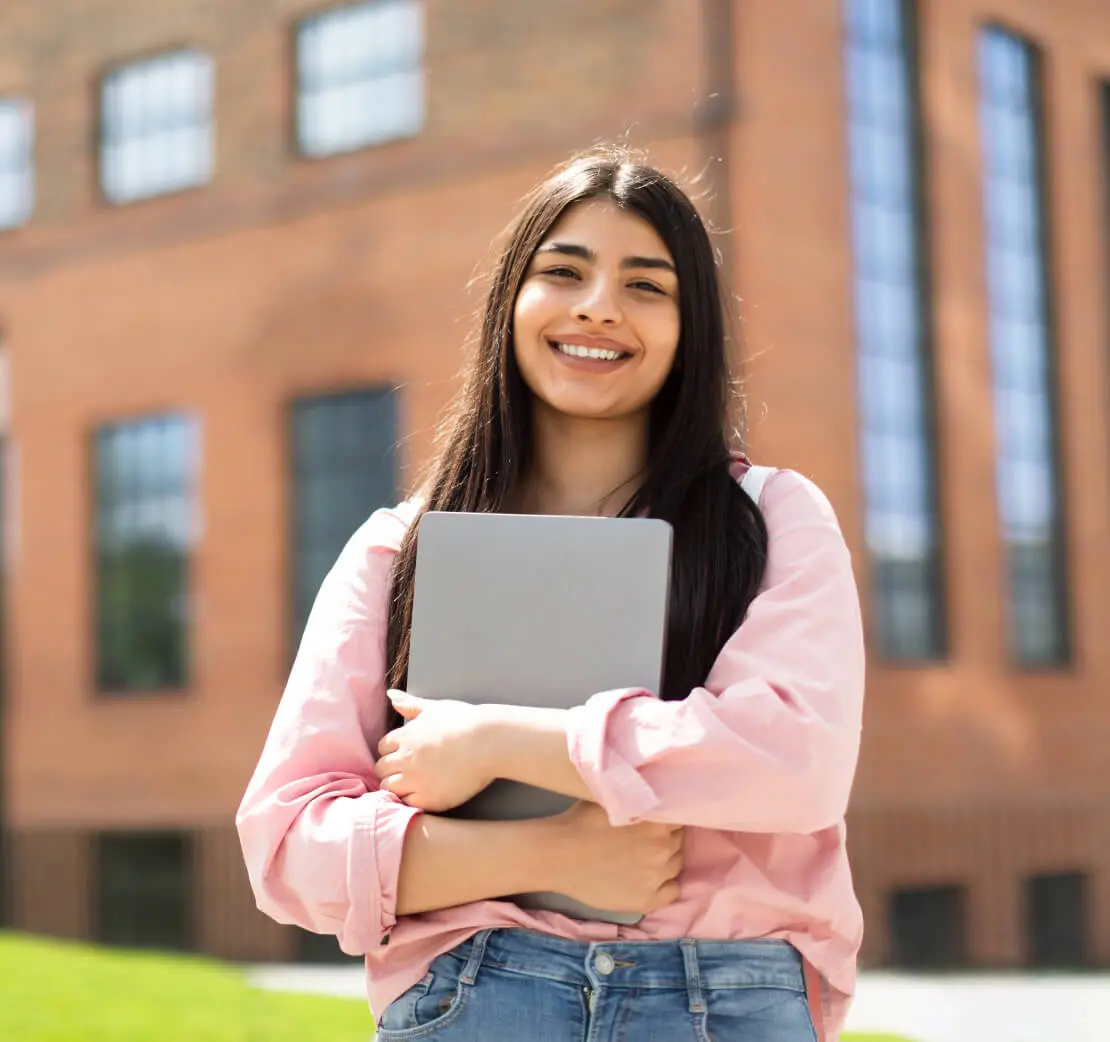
x,y
145,529
344,468
1026,472
143,895
16,162
892,333
156,126
360,77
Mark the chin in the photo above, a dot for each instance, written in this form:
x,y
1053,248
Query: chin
x,y
581,408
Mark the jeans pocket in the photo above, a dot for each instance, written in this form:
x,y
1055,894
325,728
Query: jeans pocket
x,y
757,1015
428,1006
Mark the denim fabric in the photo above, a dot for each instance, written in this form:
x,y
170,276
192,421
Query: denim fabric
x,y
516,986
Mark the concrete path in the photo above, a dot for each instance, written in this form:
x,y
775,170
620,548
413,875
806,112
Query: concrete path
x,y
987,1008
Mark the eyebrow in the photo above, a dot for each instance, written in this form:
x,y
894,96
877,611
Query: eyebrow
x,y
573,249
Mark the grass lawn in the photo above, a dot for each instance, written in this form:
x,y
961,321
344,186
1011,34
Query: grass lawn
x,y
59,992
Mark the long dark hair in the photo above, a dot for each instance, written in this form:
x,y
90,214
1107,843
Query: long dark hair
x,y
720,541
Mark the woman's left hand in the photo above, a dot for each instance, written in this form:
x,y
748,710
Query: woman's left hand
x,y
434,760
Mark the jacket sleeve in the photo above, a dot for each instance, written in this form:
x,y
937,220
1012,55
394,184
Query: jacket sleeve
x,y
771,742
322,844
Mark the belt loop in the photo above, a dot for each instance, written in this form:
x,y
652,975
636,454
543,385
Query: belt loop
x,y
689,949
477,953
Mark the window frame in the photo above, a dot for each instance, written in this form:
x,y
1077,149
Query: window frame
x,y
379,392
1060,587
137,61
297,82
27,170
190,493
960,898
935,649
100,841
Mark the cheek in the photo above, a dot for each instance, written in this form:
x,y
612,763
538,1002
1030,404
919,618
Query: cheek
x,y
530,309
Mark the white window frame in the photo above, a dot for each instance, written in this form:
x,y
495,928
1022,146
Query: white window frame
x,y
359,76
157,126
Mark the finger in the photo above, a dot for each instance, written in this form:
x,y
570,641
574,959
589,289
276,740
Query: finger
x,y
407,705
389,743
398,785
385,766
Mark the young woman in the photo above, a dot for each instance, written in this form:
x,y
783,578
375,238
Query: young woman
x,y
715,806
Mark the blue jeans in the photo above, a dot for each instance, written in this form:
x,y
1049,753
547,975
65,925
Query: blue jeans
x,y
519,986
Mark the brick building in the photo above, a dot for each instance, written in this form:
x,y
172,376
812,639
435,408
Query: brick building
x,y
233,286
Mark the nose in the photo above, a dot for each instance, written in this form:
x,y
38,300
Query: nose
x,y
598,304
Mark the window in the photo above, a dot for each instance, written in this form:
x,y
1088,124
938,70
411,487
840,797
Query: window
x,y
144,531
344,468
17,186
144,887
892,332
929,927
321,949
1026,472
1056,920
156,126
360,76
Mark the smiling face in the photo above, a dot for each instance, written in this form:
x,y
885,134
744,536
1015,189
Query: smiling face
x,y
596,322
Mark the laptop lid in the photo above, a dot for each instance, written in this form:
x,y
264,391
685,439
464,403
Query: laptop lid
x,y
538,611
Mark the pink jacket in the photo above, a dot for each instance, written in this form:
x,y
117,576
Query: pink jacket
x,y
759,762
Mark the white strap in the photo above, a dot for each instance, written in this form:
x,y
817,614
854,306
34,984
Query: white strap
x,y
753,481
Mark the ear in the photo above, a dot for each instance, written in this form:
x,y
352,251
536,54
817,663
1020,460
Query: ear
x,y
409,706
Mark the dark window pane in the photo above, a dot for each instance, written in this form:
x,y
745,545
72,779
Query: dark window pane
x,y
929,928
1056,920
144,890
144,532
1026,468
894,371
344,468
320,948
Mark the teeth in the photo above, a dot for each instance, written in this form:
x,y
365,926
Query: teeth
x,y
600,353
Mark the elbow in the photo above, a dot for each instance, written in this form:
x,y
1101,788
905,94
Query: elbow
x,y
821,798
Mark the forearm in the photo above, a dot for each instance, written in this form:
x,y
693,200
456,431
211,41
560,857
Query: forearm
x,y
529,745
447,861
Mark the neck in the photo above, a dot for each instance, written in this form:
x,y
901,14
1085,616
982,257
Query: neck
x,y
583,466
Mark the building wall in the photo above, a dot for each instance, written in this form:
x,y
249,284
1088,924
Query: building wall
x,y
287,276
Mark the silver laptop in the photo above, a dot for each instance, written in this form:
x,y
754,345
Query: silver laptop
x,y
540,611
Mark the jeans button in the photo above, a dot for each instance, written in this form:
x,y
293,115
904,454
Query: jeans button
x,y
604,963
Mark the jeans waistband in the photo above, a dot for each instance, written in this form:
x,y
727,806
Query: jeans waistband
x,y
693,965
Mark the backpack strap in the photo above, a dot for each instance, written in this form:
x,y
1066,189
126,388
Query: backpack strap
x,y
754,479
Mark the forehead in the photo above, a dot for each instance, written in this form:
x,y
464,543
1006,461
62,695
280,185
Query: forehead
x,y
607,230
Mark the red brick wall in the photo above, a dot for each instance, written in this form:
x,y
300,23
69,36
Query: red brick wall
x,y
286,276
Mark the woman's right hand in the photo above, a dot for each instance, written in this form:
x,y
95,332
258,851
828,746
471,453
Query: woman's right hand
x,y
633,868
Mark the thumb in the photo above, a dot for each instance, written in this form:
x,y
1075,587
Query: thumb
x,y
407,705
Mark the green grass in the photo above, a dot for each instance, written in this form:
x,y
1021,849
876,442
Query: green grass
x,y
74,993
60,992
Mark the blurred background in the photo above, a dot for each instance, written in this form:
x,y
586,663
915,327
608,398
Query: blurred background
x,y
236,261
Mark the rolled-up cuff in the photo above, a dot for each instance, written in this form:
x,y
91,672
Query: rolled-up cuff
x,y
616,784
373,870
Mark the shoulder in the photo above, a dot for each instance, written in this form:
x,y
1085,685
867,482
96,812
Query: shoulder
x,y
787,498
378,538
